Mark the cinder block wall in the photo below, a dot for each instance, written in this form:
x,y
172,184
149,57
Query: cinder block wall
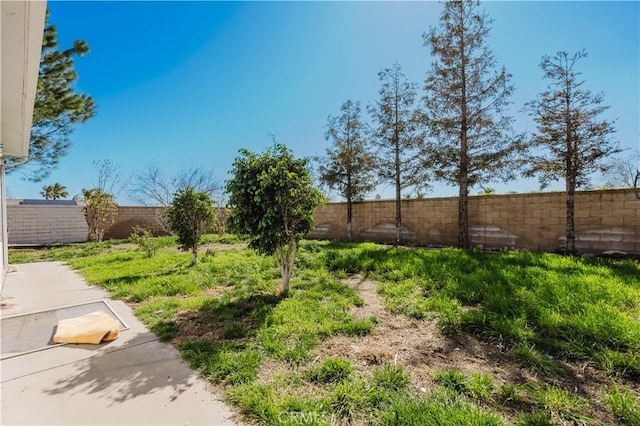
x,y
605,220
36,224
130,216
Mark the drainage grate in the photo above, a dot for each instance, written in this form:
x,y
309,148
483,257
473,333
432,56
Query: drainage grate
x,y
33,332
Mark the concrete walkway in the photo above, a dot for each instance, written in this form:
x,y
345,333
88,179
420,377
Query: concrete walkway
x,y
134,380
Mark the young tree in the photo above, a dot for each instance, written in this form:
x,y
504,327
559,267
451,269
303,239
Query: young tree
x,y
54,192
58,107
273,200
348,167
396,136
100,212
466,98
573,139
189,215
151,187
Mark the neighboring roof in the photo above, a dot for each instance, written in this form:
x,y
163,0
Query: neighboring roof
x,y
22,27
41,202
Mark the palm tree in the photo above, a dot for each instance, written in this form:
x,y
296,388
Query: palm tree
x,y
54,192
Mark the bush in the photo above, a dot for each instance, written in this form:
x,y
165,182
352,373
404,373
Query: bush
x,y
100,212
189,215
145,240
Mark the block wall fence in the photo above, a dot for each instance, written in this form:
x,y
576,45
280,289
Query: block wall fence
x,y
605,220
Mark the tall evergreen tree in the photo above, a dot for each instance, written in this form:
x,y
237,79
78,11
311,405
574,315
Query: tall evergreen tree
x,y
573,139
348,166
58,107
396,136
466,98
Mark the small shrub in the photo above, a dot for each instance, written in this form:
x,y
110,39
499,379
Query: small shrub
x,y
100,211
145,240
391,377
625,406
332,370
189,215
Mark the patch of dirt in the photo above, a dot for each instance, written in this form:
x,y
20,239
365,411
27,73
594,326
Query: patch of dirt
x,y
124,246
422,350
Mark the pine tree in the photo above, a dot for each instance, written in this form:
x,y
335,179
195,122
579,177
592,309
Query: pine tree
x,y
396,136
58,107
471,136
573,139
348,167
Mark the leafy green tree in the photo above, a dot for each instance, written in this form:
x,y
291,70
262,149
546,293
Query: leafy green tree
x,y
54,192
58,106
573,140
100,211
349,164
396,136
466,99
189,215
273,200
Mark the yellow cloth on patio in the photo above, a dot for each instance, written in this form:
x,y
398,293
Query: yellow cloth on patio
x,y
92,328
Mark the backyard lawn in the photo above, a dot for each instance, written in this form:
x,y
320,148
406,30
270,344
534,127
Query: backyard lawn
x,y
371,334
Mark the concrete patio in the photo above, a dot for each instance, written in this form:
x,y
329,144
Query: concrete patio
x,y
134,380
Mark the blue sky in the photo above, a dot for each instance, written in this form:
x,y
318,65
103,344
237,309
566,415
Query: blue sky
x,y
190,83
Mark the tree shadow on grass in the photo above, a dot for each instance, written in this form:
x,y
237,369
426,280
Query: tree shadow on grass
x,y
219,320
138,367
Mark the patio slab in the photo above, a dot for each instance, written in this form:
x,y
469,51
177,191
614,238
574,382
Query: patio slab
x,y
134,380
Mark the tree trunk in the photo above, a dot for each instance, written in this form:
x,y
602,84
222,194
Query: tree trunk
x,y
194,252
349,215
396,142
285,257
463,194
570,174
571,227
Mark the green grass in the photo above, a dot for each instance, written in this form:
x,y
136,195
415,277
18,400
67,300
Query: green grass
x,y
60,252
437,408
571,308
331,370
477,386
625,406
228,321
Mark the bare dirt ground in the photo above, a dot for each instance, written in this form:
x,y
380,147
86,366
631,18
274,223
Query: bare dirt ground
x,y
422,350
